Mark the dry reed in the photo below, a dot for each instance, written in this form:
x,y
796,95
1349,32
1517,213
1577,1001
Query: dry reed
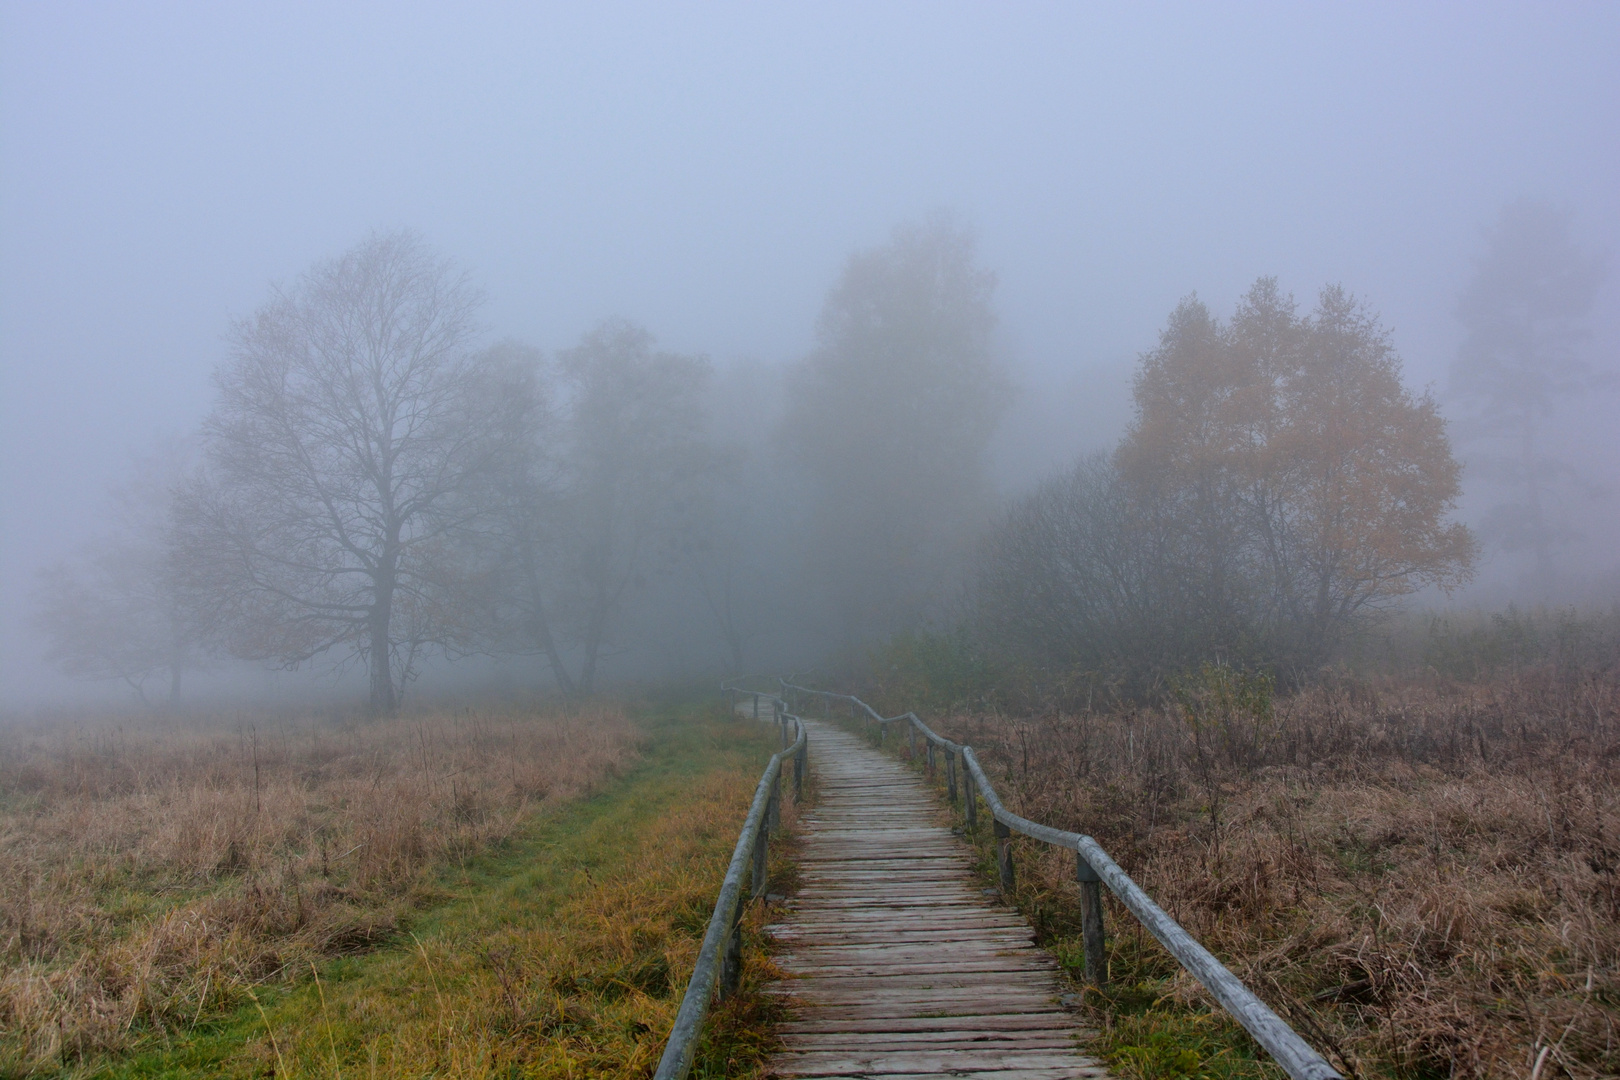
x,y
1423,876
150,876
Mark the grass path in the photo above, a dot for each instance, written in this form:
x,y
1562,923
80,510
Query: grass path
x,y
563,954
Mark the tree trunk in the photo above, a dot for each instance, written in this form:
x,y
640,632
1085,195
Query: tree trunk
x,y
383,700
540,628
593,646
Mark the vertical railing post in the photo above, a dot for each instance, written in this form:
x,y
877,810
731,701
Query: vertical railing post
x,y
762,840
930,757
731,962
1004,860
950,776
756,706
799,760
1091,920
970,798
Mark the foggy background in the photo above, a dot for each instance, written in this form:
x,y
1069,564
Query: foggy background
x,y
707,172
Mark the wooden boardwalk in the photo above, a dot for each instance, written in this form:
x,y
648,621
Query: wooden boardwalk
x,y
900,963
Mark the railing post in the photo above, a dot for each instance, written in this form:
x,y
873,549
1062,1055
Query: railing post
x,y
950,775
799,760
1091,920
883,734
756,706
762,840
970,799
731,962
1004,857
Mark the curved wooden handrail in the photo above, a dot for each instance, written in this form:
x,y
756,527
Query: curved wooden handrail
x,y
714,969
1093,867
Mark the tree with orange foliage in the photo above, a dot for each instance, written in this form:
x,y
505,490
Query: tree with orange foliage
x,y
1291,482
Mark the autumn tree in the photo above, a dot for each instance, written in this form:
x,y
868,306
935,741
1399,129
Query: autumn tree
x,y
350,420
889,421
1524,318
1279,484
1307,485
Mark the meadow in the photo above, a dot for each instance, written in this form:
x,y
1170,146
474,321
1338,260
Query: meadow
x,y
471,891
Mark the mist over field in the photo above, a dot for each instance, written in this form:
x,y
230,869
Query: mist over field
x,y
738,338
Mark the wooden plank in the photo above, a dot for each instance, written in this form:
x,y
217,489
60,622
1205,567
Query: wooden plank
x,y
1036,962
1000,1074
952,1039
819,992
1050,1020
843,1063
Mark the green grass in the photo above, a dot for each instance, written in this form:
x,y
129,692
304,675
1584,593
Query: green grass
x,y
564,953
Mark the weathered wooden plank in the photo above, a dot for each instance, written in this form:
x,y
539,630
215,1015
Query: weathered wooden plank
x,y
1075,1073
1049,1020
886,931
836,1063
858,921
808,992
953,1039
897,1008
978,980
1036,962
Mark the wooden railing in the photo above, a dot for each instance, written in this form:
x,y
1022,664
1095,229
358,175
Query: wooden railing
x,y
1093,869
719,962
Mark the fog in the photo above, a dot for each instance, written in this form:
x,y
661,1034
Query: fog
x,y
707,173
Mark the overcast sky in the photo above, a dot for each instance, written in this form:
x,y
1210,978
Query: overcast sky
x,y
705,169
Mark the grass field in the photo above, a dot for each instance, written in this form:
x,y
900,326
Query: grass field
x,y
1421,875
455,894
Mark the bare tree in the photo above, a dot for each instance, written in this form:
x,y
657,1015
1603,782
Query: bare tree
x,y
113,611
350,421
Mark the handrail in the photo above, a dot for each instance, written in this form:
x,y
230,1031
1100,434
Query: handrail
x,y
1093,866
725,929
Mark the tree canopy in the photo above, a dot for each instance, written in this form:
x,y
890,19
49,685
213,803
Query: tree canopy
x,y
1278,485
889,421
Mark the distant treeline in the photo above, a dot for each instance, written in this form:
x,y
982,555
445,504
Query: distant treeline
x,y
376,486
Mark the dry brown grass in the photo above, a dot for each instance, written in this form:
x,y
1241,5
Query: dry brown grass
x,y
153,874
1428,872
